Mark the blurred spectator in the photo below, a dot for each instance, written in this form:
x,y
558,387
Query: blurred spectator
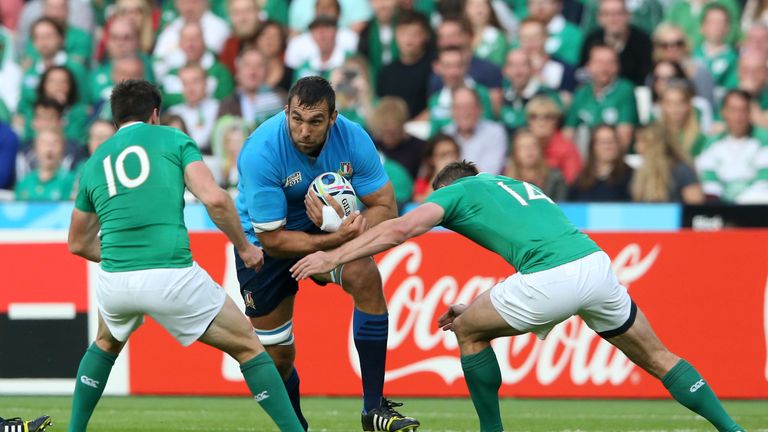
x,y
526,163
544,119
666,73
552,72
219,83
482,141
402,182
9,145
77,42
49,181
670,43
10,76
121,69
254,101
632,44
387,122
9,12
407,75
489,41
605,177
441,150
100,131
244,16
33,10
175,121
756,39
564,38
644,14
734,164
451,66
145,19
664,175
714,52
48,39
58,83
377,38
354,92
198,110
271,40
229,134
687,15
122,41
352,14
456,32
168,53
607,99
755,14
520,86
678,116
322,52
321,39
753,78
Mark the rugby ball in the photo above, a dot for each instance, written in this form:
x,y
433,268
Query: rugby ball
x,y
338,188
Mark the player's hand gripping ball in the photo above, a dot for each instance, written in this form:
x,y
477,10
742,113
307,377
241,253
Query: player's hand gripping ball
x,y
338,188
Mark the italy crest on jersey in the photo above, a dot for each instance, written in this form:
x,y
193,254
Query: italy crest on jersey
x,y
345,169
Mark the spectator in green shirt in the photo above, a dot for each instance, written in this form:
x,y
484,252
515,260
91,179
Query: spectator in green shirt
x,y
753,78
687,15
77,42
565,38
608,99
49,181
715,52
489,42
678,116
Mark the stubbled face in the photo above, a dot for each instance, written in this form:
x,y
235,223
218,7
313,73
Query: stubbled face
x,y
309,126
606,146
57,86
49,149
244,15
193,81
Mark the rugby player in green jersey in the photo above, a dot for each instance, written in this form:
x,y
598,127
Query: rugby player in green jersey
x,y
129,217
560,272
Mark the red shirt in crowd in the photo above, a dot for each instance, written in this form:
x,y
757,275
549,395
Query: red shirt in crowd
x,y
562,154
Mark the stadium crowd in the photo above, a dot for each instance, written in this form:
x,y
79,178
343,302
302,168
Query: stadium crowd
x,y
591,100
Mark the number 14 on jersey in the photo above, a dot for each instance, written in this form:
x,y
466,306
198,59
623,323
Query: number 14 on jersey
x,y
533,193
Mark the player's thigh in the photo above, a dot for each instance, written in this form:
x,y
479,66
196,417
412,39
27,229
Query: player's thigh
x,y
265,291
231,332
641,345
482,322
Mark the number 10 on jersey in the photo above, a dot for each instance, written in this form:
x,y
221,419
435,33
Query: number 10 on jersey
x,y
122,177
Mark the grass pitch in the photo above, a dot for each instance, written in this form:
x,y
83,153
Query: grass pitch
x,y
170,414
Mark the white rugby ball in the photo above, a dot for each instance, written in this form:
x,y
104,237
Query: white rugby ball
x,y
338,188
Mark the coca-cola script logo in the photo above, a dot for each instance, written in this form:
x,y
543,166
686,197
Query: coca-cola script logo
x,y
569,349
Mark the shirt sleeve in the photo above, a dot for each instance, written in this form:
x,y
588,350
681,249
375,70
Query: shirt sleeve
x,y
83,200
262,189
189,151
448,198
628,115
368,173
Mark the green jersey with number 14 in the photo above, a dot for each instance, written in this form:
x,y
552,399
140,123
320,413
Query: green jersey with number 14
x,y
513,219
134,182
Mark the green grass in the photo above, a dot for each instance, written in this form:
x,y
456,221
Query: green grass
x,y
340,414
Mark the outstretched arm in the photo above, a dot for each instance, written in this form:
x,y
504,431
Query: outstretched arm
x,y
383,236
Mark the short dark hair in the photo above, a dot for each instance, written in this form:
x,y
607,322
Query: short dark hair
x,y
602,45
49,103
262,29
71,94
407,17
716,7
737,93
311,91
454,171
134,100
45,20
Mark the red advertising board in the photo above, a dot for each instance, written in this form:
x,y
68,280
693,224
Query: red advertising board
x,y
705,294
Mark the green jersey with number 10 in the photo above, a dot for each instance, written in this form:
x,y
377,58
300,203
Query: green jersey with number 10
x,y
513,219
134,182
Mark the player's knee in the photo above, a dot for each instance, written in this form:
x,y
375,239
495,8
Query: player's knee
x,y
462,330
108,343
362,278
283,360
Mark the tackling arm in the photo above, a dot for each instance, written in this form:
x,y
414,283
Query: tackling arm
x,y
386,235
84,235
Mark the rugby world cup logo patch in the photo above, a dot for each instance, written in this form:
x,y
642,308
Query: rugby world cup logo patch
x,y
345,169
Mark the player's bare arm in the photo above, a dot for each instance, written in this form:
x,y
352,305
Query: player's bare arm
x,y
282,243
218,203
84,235
386,235
380,205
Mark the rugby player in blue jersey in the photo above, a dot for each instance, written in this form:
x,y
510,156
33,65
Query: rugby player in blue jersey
x,y
276,166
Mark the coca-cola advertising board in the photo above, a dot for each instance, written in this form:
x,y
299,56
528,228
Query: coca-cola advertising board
x,y
704,293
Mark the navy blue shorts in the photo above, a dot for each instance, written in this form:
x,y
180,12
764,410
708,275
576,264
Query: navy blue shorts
x,y
263,290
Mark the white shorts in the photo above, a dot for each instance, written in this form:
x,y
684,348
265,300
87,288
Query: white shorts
x,y
587,287
183,300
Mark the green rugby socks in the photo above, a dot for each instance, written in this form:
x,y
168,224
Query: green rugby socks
x,y
689,388
481,370
89,385
269,391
